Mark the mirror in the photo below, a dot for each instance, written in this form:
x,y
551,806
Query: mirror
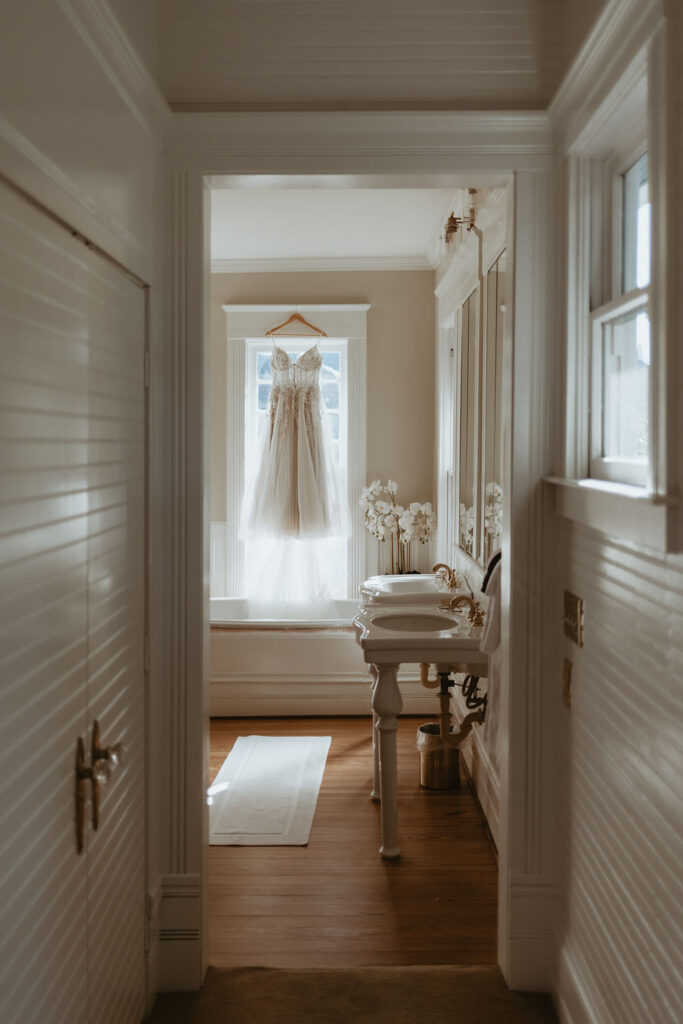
x,y
493,413
468,422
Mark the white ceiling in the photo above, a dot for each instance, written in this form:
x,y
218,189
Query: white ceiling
x,y
365,54
391,227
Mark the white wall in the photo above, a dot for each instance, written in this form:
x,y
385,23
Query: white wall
x,y
619,765
400,368
81,129
618,803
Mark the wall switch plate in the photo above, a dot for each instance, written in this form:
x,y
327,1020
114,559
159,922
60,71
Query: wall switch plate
x,y
573,617
567,683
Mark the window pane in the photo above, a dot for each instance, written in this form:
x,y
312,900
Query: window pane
x,y
330,370
625,382
331,395
333,420
263,365
263,395
636,238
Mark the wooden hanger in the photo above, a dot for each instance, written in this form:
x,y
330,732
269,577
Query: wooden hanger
x,y
296,316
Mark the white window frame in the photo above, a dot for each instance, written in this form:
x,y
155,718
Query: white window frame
x,y
605,183
642,513
347,321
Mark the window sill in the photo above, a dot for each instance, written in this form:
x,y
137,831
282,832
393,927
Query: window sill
x,y
621,511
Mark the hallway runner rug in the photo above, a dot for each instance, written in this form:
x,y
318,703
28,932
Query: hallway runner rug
x,y
266,791
362,995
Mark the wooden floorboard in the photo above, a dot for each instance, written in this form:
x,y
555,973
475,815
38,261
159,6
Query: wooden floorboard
x,y
335,902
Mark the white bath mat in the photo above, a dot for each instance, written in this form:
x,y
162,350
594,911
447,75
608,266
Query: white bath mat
x,y
266,791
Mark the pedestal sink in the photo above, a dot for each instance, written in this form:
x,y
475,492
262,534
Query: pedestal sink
x,y
390,636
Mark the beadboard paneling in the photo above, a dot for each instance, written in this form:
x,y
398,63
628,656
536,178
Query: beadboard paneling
x,y
116,622
346,54
43,616
621,822
72,564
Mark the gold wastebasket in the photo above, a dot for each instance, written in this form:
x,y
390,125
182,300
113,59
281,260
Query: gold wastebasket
x,y
439,763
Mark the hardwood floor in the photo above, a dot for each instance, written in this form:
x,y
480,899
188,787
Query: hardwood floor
x,y
335,903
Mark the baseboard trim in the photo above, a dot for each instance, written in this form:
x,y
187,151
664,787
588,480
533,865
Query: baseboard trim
x,y
574,1004
179,933
258,697
485,779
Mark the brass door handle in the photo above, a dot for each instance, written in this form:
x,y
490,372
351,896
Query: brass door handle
x,y
102,761
94,774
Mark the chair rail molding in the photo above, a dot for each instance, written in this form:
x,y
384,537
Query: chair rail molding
x,y
382,149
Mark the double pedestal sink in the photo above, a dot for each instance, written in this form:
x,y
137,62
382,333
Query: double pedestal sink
x,y
400,622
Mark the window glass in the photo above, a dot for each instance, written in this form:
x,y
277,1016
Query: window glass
x,y
625,385
636,226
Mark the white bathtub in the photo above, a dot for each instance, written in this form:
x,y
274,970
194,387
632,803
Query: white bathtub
x,y
262,667
235,611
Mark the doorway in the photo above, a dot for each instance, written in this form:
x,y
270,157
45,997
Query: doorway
x,y
394,290
510,144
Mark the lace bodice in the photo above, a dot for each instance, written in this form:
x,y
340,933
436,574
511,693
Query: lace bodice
x,y
297,490
302,374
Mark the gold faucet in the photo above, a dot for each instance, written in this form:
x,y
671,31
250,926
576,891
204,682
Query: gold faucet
x,y
445,573
476,615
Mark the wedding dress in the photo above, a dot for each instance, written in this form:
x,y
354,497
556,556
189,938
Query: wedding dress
x,y
296,491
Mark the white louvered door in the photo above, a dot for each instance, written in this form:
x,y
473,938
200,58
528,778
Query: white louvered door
x,y
72,600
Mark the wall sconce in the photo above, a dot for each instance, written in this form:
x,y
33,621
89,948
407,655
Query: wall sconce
x,y
453,224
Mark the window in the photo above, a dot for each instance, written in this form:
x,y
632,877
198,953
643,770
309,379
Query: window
x,y
620,345
247,389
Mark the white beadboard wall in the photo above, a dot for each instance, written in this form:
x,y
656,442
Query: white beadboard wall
x,y
72,590
621,812
81,127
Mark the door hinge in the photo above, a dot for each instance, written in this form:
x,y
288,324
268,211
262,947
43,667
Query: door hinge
x,y
146,653
146,368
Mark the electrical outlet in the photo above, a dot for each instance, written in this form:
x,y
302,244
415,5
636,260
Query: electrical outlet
x,y
567,683
573,617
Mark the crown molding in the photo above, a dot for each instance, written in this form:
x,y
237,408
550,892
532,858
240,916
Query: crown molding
x,y
109,45
310,142
620,34
320,265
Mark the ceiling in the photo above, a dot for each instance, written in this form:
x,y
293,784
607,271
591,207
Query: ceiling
x,y
300,229
273,55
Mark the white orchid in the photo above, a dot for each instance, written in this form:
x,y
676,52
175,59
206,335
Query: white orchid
x,y
387,519
417,523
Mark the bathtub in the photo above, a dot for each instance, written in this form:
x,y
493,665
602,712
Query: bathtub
x,y
235,612
268,667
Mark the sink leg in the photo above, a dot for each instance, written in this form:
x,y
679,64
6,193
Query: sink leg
x,y
387,704
375,791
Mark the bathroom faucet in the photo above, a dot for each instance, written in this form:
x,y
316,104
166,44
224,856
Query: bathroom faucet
x,y
448,575
476,616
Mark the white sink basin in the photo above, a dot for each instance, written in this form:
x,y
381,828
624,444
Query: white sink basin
x,y
415,622
416,634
